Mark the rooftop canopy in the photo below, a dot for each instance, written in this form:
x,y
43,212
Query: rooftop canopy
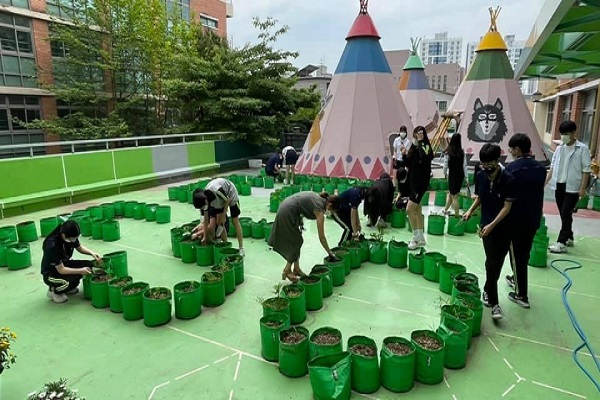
x,y
564,41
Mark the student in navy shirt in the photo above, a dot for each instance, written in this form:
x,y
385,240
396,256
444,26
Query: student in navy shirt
x,y
273,166
347,215
494,193
526,212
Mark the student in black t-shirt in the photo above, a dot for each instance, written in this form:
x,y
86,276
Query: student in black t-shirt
x,y
346,215
61,274
273,166
494,192
526,212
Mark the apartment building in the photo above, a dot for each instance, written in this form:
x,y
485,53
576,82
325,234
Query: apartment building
x,y
515,48
441,50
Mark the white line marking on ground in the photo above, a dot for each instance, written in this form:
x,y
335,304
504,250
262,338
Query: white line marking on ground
x,y
225,358
368,396
220,345
494,344
237,368
231,394
560,289
396,282
541,343
156,388
519,378
357,300
257,277
145,251
387,307
508,390
446,382
507,363
559,390
454,397
192,372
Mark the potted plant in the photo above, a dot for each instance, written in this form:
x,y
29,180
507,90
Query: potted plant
x,y
365,365
217,248
313,291
157,306
188,299
397,364
398,254
377,248
7,357
436,223
325,273
276,304
213,289
430,356
354,248
293,351
114,293
431,265
270,326
55,390
99,286
325,341
228,276
297,298
416,261
237,262
342,254
132,300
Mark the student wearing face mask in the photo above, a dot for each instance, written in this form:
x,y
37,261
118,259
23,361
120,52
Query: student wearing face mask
x,y
569,176
61,274
494,193
525,214
401,147
418,159
286,234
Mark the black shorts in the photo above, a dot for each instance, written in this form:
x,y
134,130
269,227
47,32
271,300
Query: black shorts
x,y
290,157
234,210
398,164
416,195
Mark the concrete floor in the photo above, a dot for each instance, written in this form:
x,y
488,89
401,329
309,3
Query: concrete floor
x,y
217,355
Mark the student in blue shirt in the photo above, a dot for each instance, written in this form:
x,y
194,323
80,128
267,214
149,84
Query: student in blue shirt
x,y
347,216
494,193
273,166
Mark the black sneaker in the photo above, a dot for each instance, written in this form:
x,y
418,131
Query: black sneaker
x,y
497,312
510,281
486,300
515,298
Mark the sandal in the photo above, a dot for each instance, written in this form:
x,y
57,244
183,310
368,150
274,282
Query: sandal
x,y
290,276
299,274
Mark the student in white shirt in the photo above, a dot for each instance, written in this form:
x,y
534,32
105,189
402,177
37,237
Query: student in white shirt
x,y
290,157
401,147
569,176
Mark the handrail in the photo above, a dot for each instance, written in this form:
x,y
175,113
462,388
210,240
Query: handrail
x,y
107,141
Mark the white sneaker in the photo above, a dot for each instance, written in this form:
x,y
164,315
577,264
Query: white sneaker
x,y
59,298
558,247
219,231
242,253
73,291
421,241
413,245
49,294
570,243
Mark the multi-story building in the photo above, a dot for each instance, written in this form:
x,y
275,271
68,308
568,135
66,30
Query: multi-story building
x,y
515,47
26,57
317,76
442,77
441,50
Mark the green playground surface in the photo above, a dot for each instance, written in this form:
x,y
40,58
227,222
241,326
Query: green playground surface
x,y
217,355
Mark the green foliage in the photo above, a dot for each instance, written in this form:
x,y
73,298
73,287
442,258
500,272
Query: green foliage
x,y
55,390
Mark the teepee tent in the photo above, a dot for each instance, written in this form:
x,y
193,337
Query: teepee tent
x,y
415,91
491,101
349,136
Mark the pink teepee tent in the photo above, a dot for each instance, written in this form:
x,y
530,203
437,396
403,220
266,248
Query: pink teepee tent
x,y
349,136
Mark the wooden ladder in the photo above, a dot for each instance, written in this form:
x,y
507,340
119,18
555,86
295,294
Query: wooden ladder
x,y
440,133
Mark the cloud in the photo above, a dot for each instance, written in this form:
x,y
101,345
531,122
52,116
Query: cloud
x,y
318,27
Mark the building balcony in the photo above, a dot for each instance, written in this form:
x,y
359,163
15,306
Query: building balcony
x,y
229,8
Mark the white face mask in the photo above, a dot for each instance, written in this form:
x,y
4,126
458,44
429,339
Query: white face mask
x,y
403,135
565,138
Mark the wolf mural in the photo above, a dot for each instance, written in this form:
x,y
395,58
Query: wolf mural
x,y
487,124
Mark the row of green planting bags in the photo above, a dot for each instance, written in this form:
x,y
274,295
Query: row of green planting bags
x,y
114,288
243,184
585,201
334,373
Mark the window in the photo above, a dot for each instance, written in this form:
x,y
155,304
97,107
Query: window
x,y
17,59
26,109
209,22
550,116
442,106
587,116
16,3
180,7
445,87
439,82
63,109
566,111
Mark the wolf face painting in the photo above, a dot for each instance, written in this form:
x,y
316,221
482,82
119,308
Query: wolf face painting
x,y
487,123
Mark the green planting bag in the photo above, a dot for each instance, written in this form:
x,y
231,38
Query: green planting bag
x,y
295,294
270,327
430,359
325,274
474,304
431,267
293,352
355,253
399,219
398,257
325,341
397,364
416,262
313,291
447,273
461,313
378,252
436,224
365,366
330,377
456,337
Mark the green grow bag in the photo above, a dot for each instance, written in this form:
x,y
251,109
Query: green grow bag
x,y
455,334
425,199
306,187
114,293
18,256
325,274
268,228
431,266
163,214
100,296
365,365
313,291
582,204
596,203
138,210
217,248
338,272
447,273
325,341
128,209
472,224
188,251
429,362
442,184
378,252
274,204
228,276
538,256
436,224
108,211
341,188
416,262
213,289
398,364
246,189
456,226
150,212
465,202
365,250
355,253
269,182
293,352
27,232
204,255
317,187
173,193
96,212
295,294
433,184
86,226
117,262
131,297
157,306
87,287
344,255
330,188
474,304
440,198
258,230
398,257
9,232
461,313
246,228
330,377
398,219
47,225
111,231
270,327
237,262
4,244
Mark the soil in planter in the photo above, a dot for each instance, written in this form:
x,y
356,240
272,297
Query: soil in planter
x,y
101,278
320,270
134,290
326,338
333,259
293,292
121,282
223,268
399,349
292,337
209,277
310,279
157,294
277,304
273,324
186,289
363,350
235,259
428,342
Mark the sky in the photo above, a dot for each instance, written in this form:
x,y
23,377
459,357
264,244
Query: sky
x,y
318,28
